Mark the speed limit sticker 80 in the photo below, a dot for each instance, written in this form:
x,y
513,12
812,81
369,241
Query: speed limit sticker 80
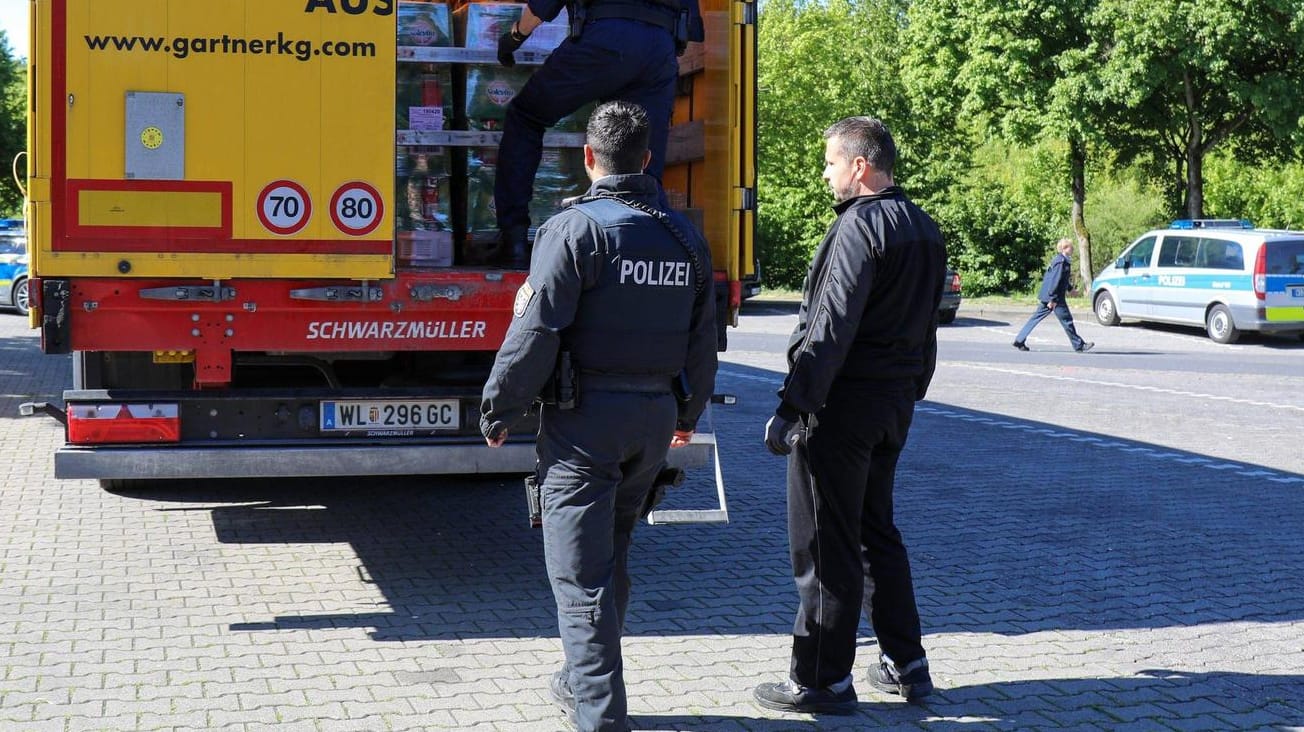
x,y
284,207
356,208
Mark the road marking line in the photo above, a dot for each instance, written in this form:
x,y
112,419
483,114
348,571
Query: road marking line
x,y
1108,444
1121,385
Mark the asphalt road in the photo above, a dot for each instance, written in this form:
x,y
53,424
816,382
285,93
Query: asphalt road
x,y
1107,540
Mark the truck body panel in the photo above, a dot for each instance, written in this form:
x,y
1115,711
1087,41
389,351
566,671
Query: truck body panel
x,y
216,196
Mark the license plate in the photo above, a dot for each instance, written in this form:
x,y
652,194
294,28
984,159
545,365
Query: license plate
x,y
390,414
1295,290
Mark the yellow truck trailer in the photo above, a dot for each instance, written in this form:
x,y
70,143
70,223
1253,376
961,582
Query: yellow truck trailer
x,y
227,236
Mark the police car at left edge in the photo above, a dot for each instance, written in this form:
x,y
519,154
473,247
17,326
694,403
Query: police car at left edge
x,y
13,266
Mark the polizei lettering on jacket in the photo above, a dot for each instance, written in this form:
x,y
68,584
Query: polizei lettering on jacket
x,y
361,330
654,273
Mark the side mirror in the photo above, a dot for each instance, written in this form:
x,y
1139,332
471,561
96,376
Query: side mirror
x,y
1123,263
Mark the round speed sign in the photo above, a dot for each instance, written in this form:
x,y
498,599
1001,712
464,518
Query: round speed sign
x,y
284,207
356,208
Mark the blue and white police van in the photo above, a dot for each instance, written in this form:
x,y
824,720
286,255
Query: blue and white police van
x,y
1224,275
13,265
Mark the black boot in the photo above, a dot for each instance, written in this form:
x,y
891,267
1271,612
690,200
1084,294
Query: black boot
x,y
514,247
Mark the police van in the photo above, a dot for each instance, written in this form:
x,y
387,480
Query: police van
x,y
1224,275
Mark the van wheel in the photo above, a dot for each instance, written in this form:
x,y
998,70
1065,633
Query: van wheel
x,y
1106,310
1220,326
22,300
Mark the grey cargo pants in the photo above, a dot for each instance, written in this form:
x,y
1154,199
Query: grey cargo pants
x,y
597,462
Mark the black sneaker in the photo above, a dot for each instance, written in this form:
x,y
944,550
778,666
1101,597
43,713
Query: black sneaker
x,y
560,692
1019,345
1086,346
911,682
788,696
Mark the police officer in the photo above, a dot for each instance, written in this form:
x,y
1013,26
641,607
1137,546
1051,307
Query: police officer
x,y
862,353
617,50
621,291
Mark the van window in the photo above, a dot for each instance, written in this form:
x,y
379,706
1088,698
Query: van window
x,y
1285,257
1139,254
1178,251
1191,251
1219,254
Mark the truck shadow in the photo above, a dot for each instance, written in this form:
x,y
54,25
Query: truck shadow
x,y
1015,527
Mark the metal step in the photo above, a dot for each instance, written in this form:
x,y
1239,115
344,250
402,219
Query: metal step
x,y
718,515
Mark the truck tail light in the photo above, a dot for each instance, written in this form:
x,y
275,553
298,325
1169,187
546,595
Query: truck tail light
x,y
1261,273
98,424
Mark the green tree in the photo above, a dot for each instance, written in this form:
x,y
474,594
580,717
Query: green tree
x,y
13,124
1012,68
1186,77
817,63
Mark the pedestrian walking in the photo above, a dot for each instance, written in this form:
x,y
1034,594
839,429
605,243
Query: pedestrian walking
x,y
618,308
862,354
1053,298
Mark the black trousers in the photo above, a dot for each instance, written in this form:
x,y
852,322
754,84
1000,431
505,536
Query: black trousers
x,y
846,550
597,462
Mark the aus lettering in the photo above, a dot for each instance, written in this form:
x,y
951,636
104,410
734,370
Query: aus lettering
x,y
351,7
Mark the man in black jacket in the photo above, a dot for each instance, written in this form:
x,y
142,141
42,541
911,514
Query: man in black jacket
x,y
862,353
623,290
1052,298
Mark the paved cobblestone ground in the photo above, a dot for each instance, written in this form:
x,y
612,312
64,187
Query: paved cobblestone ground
x,y
1067,579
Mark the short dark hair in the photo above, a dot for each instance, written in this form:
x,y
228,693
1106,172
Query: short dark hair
x,y
867,138
618,135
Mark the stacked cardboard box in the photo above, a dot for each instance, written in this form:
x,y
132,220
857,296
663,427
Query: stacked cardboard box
x,y
424,24
426,195
480,25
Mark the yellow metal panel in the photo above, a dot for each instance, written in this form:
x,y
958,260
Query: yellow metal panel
x,y
149,208
274,90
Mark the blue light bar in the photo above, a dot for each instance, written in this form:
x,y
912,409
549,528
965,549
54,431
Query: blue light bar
x,y
1211,224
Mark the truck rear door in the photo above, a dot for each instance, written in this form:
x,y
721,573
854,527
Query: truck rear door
x,y
185,142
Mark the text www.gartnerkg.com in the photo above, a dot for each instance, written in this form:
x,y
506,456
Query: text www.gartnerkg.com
x,y
185,46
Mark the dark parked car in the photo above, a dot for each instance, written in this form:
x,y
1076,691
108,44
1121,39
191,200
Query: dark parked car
x,y
950,297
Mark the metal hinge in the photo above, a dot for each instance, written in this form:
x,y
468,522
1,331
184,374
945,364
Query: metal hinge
x,y
749,13
340,294
190,293
426,293
745,199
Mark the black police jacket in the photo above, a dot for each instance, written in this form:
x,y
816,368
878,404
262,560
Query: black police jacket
x,y
612,286
869,305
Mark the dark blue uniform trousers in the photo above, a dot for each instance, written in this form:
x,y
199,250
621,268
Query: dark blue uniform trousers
x,y
614,59
846,550
1065,318
597,463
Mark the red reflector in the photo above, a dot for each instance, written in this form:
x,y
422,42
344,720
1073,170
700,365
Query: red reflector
x,y
98,424
735,294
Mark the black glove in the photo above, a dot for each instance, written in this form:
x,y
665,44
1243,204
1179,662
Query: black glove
x,y
508,42
778,435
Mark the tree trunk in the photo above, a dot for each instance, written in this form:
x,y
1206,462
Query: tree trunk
x,y
1194,153
1077,219
1195,177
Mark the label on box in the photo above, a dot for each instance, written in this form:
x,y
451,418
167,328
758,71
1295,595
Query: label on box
x,y
425,118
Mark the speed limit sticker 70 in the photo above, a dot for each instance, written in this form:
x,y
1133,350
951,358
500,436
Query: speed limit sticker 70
x,y
284,207
356,208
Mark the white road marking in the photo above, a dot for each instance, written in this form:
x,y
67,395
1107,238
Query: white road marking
x,y
1246,471
1121,385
